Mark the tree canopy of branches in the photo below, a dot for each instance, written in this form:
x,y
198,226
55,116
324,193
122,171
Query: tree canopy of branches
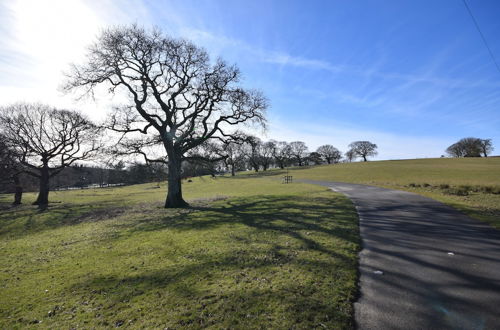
x,y
253,152
315,158
178,98
349,156
329,153
266,154
470,147
298,150
363,149
234,155
281,153
486,147
205,157
46,140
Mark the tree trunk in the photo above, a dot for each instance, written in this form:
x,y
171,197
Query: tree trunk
x,y
364,158
255,167
43,194
328,160
18,192
232,170
174,195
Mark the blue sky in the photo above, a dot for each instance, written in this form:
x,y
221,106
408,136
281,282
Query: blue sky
x,y
411,76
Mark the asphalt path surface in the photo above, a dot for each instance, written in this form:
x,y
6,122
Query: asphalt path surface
x,y
423,265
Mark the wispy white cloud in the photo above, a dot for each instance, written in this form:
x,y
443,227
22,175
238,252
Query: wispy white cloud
x,y
297,61
41,38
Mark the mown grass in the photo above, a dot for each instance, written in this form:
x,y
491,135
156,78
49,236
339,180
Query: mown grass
x,y
247,254
468,184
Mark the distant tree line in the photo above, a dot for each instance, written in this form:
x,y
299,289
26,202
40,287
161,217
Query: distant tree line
x,y
470,147
249,152
82,176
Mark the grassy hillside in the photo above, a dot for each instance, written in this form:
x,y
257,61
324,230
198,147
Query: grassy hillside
x,y
452,171
471,185
250,253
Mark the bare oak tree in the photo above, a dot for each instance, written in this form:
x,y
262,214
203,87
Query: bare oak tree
x,y
470,147
178,98
234,152
456,150
47,140
315,158
267,151
253,151
486,147
350,155
329,153
281,153
363,149
298,150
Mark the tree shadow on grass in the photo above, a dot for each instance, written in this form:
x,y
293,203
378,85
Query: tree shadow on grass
x,y
256,280
17,222
284,261
295,216
257,272
194,296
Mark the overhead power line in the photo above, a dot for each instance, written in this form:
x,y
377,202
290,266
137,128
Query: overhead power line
x,y
482,35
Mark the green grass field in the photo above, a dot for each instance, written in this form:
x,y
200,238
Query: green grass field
x,y
468,180
249,253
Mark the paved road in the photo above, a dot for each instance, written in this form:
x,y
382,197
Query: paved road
x,y
440,268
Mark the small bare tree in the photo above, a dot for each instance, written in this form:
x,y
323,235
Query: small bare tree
x,y
178,98
486,147
329,153
234,152
350,155
206,157
47,140
282,153
253,151
363,149
267,151
456,150
298,150
315,158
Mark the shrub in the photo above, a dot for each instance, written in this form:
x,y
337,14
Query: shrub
x,y
466,187
487,189
444,186
458,191
426,185
477,188
413,185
